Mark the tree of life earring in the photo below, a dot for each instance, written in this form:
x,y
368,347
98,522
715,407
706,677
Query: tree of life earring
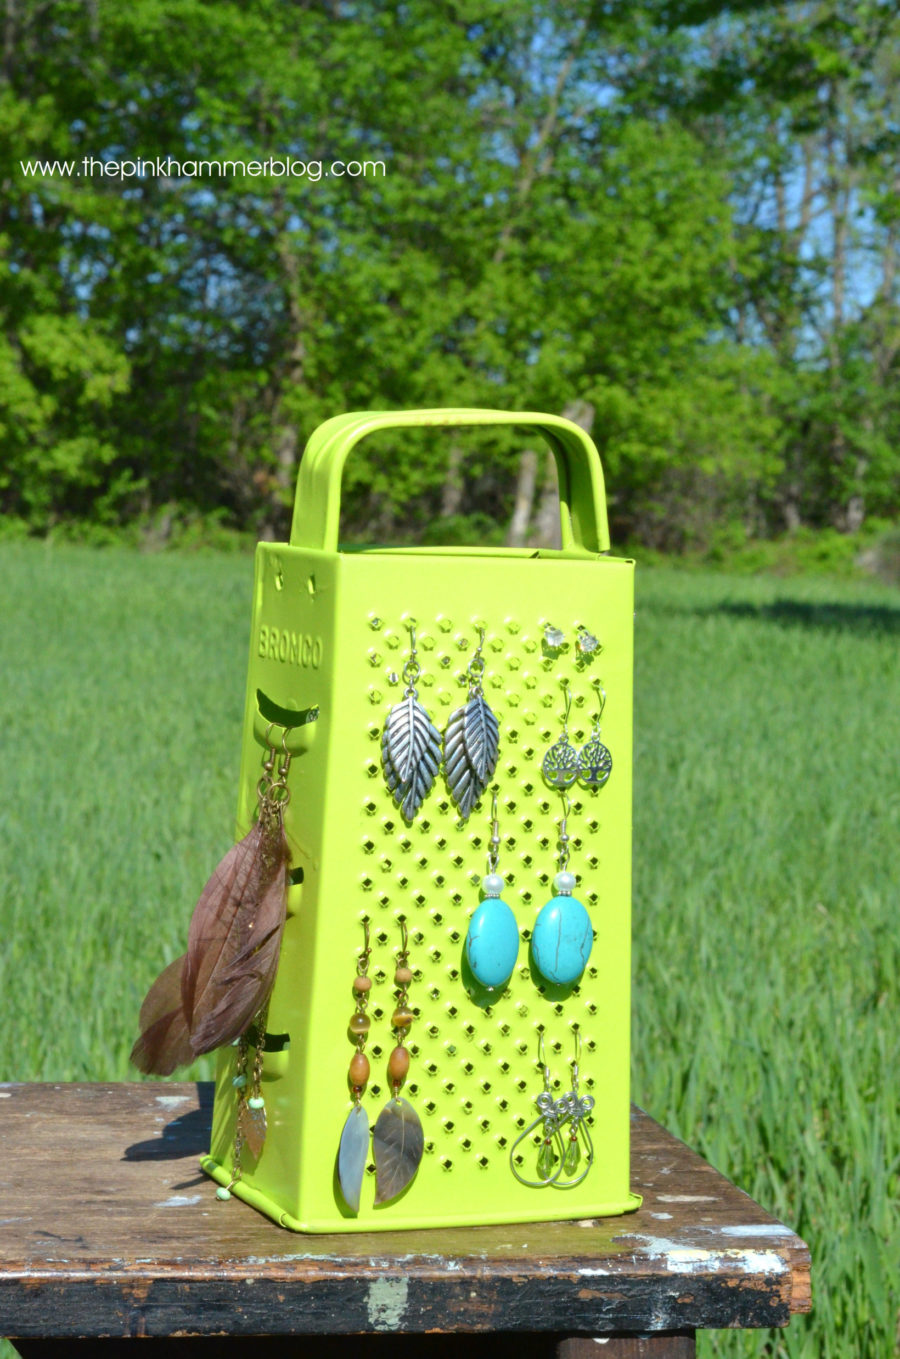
x,y
560,763
410,743
563,937
548,1120
354,1147
471,741
397,1138
580,1146
594,759
492,941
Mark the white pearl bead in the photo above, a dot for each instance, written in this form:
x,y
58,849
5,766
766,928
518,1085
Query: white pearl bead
x,y
492,884
564,883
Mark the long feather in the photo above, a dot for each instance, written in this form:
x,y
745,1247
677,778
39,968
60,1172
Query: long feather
x,y
165,1042
235,937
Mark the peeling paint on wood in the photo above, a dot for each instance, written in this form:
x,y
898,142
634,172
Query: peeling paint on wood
x,y
92,1247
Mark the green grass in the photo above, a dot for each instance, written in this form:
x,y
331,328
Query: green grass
x,y
767,850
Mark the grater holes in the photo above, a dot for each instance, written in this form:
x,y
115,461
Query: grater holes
x,y
433,1031
593,898
448,1123
434,993
503,1106
453,973
377,1051
526,935
468,1068
388,826
482,1161
422,860
369,807
376,1091
446,1162
454,936
501,1141
368,845
466,1143
430,1107
366,883
374,732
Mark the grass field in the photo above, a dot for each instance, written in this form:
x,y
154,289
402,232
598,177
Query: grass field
x,y
767,860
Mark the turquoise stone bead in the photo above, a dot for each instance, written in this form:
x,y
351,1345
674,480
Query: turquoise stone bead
x,y
492,943
562,940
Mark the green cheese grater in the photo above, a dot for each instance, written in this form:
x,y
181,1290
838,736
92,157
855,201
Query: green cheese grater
x,y
331,633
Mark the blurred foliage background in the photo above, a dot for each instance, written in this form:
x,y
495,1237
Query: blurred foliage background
x,y
675,220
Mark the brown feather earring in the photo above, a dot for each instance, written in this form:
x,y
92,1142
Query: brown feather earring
x,y
209,996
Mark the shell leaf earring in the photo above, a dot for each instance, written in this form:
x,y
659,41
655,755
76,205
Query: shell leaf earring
x,y
594,759
410,743
563,936
397,1138
560,764
471,741
492,941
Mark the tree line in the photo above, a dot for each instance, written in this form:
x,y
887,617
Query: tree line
x,y
675,220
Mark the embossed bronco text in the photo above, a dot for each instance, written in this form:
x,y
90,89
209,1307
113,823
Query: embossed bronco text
x,y
293,648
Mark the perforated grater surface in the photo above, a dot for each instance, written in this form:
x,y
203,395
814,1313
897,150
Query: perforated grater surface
x,y
331,629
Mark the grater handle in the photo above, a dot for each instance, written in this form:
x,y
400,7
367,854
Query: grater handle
x,y
582,497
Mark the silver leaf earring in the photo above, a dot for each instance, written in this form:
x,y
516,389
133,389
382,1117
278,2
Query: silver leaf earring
x,y
410,743
471,741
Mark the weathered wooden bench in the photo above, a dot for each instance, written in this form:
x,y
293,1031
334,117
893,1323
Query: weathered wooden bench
x,y
109,1231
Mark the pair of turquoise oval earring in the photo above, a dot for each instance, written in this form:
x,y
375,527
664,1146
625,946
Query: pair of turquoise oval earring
x,y
562,938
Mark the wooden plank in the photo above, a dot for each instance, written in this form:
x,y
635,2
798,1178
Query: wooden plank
x,y
519,1346
110,1229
